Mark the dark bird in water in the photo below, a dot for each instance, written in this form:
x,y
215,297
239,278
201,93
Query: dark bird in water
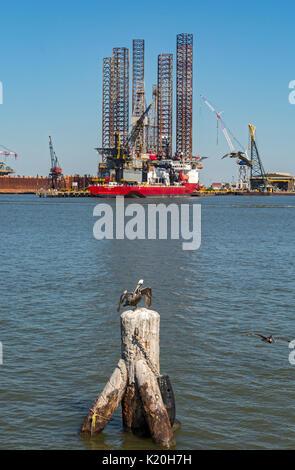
x,y
267,339
133,298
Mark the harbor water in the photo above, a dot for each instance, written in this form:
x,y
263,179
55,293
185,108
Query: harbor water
x,y
60,331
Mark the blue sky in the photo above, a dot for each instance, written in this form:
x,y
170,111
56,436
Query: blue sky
x,y
51,60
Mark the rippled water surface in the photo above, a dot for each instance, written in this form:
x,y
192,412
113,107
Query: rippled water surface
x,y
61,333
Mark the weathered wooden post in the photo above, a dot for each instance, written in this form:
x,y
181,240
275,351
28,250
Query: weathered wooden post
x,y
135,382
107,402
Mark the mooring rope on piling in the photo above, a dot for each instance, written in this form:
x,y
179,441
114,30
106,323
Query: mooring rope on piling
x,y
93,418
142,349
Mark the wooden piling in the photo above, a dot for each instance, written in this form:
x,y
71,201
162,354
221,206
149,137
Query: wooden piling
x,y
134,382
154,409
107,402
145,323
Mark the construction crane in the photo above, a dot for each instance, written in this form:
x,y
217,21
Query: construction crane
x,y
55,174
137,127
7,153
118,151
257,170
116,157
241,156
4,169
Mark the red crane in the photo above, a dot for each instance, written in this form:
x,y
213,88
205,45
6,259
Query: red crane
x,y
55,170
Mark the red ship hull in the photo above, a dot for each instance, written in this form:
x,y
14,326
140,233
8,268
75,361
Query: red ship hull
x,y
186,189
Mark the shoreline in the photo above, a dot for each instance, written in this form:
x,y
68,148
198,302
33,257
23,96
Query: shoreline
x,y
199,194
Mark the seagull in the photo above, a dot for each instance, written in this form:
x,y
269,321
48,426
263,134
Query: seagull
x,y
267,339
133,298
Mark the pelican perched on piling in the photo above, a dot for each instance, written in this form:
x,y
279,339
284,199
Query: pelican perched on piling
x,y
133,298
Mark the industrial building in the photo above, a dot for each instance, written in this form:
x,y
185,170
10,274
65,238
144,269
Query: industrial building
x,y
276,181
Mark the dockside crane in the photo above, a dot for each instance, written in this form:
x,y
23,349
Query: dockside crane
x,y
257,169
55,174
4,168
241,156
8,153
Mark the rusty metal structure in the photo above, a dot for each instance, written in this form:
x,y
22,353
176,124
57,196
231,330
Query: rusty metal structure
x,y
138,91
165,104
157,129
107,121
137,71
184,94
115,97
152,144
120,94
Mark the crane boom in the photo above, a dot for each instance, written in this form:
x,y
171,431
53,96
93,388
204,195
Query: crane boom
x,y
55,174
241,156
55,167
224,130
137,127
118,149
7,152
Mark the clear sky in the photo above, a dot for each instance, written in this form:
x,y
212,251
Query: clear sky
x,y
51,68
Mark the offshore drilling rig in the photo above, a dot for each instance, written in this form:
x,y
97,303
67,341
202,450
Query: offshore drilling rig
x,y
143,157
156,130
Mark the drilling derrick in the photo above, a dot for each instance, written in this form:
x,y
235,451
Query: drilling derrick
x,y
164,111
107,121
138,92
184,94
120,95
138,71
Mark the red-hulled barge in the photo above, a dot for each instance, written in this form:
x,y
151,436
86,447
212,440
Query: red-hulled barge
x,y
148,178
